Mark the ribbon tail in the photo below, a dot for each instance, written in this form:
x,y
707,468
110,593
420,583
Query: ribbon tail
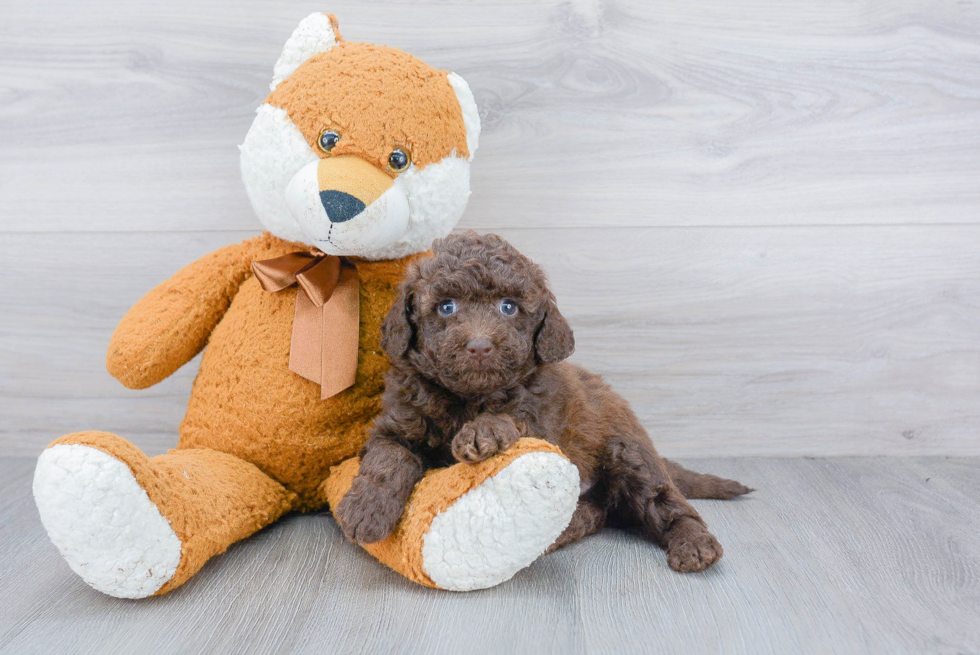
x,y
305,348
340,324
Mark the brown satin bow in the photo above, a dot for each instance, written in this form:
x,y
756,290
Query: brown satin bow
x,y
325,324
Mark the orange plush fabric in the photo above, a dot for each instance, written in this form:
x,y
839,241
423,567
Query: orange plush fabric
x,y
359,89
257,440
245,400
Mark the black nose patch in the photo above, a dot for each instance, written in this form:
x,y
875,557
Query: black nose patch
x,y
340,206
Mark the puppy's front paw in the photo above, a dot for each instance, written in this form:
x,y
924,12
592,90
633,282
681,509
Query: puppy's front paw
x,y
694,552
484,437
368,513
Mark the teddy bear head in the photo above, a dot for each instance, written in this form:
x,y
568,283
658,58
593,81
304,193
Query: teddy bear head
x,y
360,150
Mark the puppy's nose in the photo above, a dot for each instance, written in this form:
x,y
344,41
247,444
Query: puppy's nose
x,y
340,206
479,347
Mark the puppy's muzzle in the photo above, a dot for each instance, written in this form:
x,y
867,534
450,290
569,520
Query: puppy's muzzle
x,y
479,348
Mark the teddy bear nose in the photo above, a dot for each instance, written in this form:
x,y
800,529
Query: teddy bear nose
x,y
479,347
340,206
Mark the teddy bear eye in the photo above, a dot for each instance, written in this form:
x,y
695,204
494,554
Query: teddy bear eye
x,y
398,160
447,308
508,307
328,140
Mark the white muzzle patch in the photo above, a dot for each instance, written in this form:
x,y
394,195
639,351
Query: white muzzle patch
x,y
377,225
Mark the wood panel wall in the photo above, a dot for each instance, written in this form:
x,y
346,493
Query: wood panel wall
x,y
762,218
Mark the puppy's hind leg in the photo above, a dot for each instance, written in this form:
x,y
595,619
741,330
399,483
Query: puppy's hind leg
x,y
641,493
589,518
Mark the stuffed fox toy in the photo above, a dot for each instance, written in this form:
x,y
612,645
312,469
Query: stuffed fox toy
x,y
355,162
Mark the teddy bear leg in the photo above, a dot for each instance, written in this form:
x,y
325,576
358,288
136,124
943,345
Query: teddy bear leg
x,y
133,526
473,526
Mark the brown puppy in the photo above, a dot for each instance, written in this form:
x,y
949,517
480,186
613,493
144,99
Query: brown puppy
x,y
476,344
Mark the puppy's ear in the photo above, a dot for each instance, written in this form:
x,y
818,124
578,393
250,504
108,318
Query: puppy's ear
x,y
554,341
397,330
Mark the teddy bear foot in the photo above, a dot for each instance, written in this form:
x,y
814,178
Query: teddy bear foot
x,y
473,526
100,518
503,525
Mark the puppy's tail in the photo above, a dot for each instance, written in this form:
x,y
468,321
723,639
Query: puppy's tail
x,y
704,485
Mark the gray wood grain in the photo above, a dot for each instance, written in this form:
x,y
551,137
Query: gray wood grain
x,y
862,555
762,219
122,115
754,341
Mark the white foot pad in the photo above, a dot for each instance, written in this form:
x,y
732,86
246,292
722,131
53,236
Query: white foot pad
x,y
497,529
102,521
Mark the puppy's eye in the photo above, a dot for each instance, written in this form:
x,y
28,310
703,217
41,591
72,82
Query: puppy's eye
x,y
508,307
447,308
398,160
328,140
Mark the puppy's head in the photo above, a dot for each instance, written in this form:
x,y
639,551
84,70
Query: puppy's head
x,y
475,317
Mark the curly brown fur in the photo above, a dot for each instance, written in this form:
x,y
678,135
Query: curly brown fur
x,y
468,383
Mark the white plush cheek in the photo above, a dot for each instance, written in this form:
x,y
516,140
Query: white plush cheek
x,y
273,151
303,201
437,195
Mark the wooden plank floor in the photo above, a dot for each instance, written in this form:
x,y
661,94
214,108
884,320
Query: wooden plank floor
x,y
848,555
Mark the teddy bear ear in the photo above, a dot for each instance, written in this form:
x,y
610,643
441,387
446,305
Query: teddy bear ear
x,y
471,115
315,34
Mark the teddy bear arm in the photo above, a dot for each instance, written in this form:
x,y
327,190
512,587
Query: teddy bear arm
x,y
172,323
